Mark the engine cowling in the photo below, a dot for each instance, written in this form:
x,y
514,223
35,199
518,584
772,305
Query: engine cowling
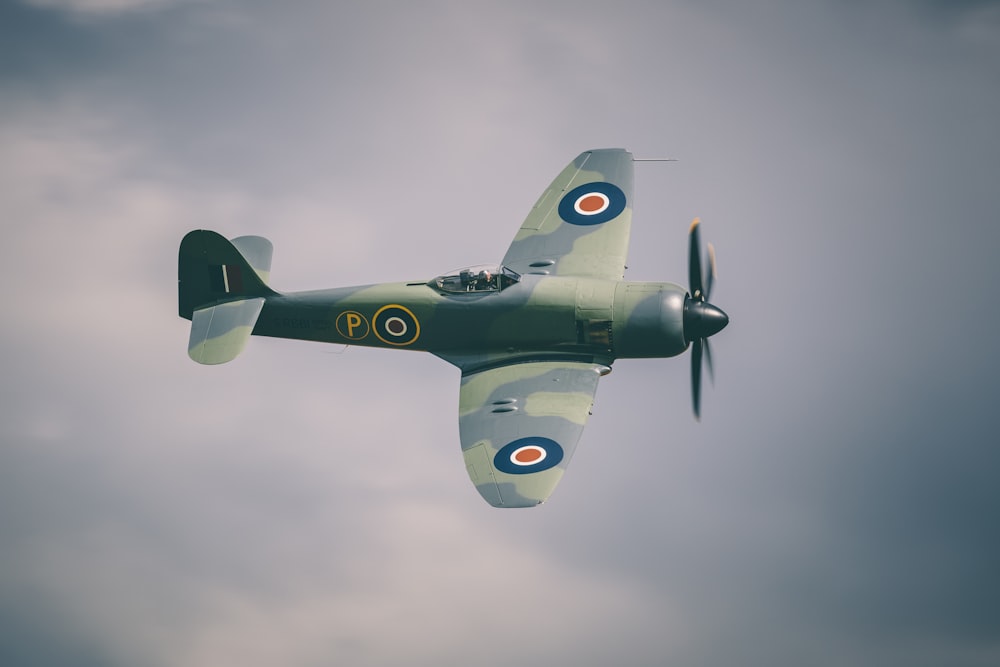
x,y
649,320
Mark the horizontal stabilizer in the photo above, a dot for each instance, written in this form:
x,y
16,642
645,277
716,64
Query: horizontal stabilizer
x,y
219,333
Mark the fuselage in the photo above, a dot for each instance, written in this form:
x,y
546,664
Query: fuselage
x,y
540,315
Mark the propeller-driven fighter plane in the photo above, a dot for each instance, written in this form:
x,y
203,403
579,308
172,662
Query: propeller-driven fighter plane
x,y
531,336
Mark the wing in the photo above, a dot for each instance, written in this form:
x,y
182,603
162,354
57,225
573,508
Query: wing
x,y
519,425
580,225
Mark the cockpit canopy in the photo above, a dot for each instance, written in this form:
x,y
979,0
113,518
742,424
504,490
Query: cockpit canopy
x,y
476,279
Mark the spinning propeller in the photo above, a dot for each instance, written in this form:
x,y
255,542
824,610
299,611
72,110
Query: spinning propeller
x,y
701,319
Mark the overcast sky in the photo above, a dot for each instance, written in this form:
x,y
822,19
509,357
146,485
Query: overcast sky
x,y
306,505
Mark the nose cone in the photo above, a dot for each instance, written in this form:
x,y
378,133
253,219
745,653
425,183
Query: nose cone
x,y
702,319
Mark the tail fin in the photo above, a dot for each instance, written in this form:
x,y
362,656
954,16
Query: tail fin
x,y
212,270
221,288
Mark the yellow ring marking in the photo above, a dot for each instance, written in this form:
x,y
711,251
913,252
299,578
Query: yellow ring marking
x,y
416,325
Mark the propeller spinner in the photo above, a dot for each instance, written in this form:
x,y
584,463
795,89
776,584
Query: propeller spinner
x,y
701,318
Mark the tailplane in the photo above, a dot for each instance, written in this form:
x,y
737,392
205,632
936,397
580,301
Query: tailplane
x,y
221,287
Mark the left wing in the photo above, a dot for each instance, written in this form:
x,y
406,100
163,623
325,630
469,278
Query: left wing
x,y
580,225
519,425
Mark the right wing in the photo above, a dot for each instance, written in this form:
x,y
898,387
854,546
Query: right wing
x,y
519,425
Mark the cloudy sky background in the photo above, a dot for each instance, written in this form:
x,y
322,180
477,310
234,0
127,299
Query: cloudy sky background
x,y
309,506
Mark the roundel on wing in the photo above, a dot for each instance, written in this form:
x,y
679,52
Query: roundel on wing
x,y
528,455
592,204
396,325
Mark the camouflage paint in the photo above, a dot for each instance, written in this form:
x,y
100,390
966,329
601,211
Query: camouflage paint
x,y
531,353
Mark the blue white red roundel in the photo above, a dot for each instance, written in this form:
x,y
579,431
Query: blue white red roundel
x,y
528,455
592,204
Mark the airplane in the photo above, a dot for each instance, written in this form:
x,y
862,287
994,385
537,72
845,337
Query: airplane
x,y
531,337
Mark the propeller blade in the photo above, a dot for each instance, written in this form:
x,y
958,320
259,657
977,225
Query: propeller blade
x,y
711,271
708,362
694,261
696,347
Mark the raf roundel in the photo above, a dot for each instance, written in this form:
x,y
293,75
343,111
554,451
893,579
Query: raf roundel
x,y
592,204
528,455
396,325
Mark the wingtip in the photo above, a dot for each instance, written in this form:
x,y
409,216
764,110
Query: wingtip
x,y
694,223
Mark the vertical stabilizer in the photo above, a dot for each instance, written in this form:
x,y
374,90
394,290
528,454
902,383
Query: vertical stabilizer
x,y
221,288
